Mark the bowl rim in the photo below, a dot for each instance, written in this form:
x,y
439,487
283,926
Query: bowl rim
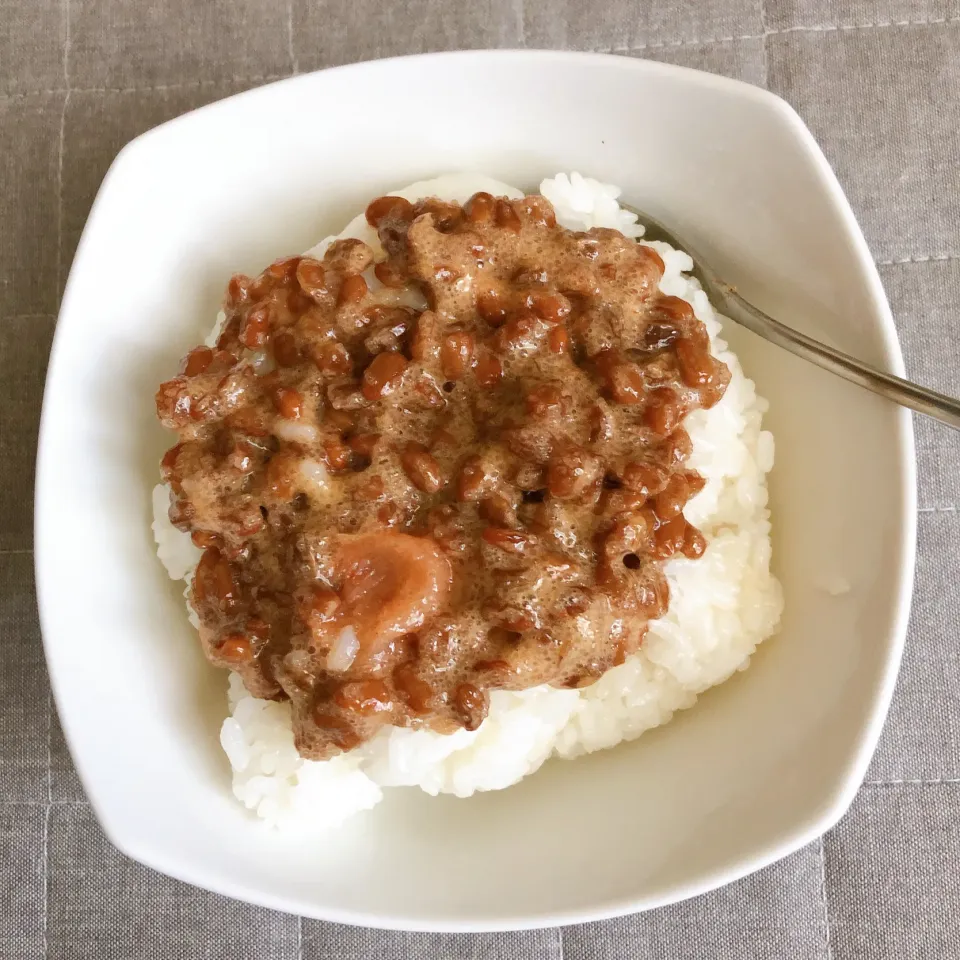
x,y
832,807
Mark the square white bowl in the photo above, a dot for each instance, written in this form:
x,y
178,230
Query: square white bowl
x,y
759,767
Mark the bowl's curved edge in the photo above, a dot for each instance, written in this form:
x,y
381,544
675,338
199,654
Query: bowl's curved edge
x,y
628,63
906,441
42,544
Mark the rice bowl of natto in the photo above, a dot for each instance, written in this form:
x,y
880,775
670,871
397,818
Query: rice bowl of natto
x,y
722,604
766,760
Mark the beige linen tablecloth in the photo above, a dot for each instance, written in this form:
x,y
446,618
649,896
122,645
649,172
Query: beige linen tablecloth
x,y
878,83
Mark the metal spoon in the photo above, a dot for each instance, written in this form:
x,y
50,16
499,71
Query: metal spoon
x,y
729,302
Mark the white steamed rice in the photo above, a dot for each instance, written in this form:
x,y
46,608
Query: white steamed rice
x,y
722,605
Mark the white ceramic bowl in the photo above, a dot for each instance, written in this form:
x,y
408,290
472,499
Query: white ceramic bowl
x,y
759,767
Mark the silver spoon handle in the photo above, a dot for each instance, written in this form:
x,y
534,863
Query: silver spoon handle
x,y
929,402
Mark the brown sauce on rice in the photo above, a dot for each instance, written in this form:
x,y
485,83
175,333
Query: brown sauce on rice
x,y
401,510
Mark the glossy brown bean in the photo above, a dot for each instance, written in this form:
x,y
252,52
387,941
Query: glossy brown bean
x,y
446,528
336,454
203,539
384,316
662,412
558,340
456,354
676,448
547,398
647,479
480,208
312,277
238,291
389,274
348,256
428,392
281,476
322,602
670,537
506,217
571,472
286,350
425,342
262,286
552,307
394,208
488,369
695,483
670,501
366,698
529,478
696,364
223,360
332,358
446,215
527,276
517,622
694,543
492,666
673,310
168,464
611,503
352,290
255,329
289,402
387,338
390,515
538,210
372,488
521,335
493,307
533,440
471,704
364,444
383,375
577,601
297,303
659,336
416,692
498,510
510,541
422,468
346,396
445,273
235,648
339,730
473,480
650,256
629,534
181,514
243,522
284,269
247,421
626,383
214,580
197,361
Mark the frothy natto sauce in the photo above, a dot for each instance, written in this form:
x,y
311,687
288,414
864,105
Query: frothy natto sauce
x,y
402,510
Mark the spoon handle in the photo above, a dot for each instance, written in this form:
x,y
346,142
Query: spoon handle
x,y
929,402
